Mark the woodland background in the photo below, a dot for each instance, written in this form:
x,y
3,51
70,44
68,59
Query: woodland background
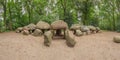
x,y
102,13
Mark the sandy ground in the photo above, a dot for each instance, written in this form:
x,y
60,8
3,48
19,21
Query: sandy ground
x,y
14,46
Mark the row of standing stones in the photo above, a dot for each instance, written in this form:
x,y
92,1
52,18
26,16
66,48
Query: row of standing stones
x,y
80,30
49,31
58,28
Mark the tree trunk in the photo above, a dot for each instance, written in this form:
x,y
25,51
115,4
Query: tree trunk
x,y
4,16
114,20
10,20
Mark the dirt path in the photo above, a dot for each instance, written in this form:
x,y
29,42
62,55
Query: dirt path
x,y
14,46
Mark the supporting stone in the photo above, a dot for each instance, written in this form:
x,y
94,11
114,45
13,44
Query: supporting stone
x,y
48,38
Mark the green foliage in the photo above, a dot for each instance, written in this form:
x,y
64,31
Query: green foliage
x,y
102,13
118,26
49,19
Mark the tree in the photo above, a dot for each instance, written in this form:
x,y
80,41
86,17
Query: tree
x,y
4,4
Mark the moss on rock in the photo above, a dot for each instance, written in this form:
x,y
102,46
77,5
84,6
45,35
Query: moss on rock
x,y
116,39
69,40
48,38
37,32
78,33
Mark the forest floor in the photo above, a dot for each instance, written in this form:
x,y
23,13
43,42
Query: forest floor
x,y
100,46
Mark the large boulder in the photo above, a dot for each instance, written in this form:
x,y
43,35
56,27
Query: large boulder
x,y
78,33
31,26
48,38
98,29
75,27
92,29
69,40
19,30
84,28
37,32
25,32
116,39
26,28
59,24
42,25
